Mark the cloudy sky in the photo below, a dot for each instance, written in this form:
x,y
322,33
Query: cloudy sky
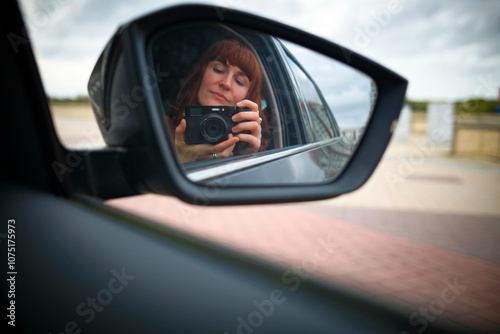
x,y
448,50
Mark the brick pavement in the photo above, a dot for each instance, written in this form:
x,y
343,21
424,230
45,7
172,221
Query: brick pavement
x,y
474,235
442,202
404,272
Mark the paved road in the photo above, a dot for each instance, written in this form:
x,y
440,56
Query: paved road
x,y
454,205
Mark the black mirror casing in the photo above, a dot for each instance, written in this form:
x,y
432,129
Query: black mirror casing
x,y
127,105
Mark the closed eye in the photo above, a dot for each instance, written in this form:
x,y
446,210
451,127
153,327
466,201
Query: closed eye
x,y
241,81
218,70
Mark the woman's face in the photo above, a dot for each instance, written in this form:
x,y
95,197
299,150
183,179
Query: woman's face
x,y
222,85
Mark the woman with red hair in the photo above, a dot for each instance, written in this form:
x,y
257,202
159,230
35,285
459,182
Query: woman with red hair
x,y
227,74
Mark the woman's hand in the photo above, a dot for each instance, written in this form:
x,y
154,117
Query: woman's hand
x,y
190,153
252,124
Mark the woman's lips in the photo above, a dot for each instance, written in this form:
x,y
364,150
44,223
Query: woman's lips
x,y
219,97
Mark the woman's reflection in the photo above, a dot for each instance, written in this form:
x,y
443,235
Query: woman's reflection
x,y
227,74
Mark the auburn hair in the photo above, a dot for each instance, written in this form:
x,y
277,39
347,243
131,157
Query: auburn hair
x,y
229,52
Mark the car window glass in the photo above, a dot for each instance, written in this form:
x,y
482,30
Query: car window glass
x,y
349,95
320,125
421,236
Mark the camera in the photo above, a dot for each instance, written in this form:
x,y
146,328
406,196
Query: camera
x,y
210,124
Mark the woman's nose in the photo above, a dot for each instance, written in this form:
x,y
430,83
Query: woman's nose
x,y
225,82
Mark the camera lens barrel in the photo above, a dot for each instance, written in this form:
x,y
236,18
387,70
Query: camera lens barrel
x,y
213,128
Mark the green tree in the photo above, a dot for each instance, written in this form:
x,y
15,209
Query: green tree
x,y
479,106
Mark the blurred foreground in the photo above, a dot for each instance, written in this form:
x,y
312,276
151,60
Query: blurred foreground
x,y
423,234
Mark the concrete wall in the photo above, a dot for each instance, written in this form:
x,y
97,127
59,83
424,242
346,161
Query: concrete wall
x,y
473,135
477,135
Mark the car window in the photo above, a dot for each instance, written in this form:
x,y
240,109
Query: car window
x,y
348,95
422,236
320,125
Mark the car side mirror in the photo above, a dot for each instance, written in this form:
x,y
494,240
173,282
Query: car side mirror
x,y
153,71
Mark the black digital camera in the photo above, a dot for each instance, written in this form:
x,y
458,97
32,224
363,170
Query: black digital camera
x,y
210,124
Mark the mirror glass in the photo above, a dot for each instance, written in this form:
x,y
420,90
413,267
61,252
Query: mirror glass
x,y
247,108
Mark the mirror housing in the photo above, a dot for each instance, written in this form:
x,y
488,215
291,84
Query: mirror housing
x,y
126,102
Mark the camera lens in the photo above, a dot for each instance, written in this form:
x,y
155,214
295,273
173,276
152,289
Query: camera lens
x,y
213,128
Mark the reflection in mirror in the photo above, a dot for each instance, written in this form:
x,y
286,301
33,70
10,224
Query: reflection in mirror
x,y
244,107
350,94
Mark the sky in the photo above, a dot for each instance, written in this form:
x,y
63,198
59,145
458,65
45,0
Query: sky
x,y
449,50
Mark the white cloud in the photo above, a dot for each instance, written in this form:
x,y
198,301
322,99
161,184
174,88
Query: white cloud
x,y
443,47
66,77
